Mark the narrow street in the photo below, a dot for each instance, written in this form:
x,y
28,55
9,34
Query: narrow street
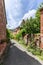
x,y
18,57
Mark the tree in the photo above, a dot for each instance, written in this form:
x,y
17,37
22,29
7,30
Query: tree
x,y
32,25
41,6
22,24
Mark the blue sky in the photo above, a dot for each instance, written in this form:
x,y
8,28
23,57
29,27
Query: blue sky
x,y
16,10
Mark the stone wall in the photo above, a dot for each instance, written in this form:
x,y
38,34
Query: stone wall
x,y
41,27
3,43
2,21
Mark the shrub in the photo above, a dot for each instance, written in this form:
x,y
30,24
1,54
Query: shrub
x,y
7,34
34,51
23,32
22,41
18,36
11,36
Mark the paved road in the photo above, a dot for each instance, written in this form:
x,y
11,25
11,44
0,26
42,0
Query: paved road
x,y
18,57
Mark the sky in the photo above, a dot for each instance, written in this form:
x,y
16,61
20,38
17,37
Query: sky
x,y
16,10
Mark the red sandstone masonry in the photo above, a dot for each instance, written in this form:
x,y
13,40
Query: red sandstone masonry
x,y
2,28
41,27
2,48
2,21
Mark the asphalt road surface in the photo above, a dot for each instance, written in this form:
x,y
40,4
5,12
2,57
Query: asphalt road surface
x,y
17,57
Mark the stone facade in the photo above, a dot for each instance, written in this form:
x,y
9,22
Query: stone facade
x,y
16,31
2,21
41,26
3,43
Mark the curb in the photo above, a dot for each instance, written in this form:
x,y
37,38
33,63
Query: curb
x,y
29,53
35,57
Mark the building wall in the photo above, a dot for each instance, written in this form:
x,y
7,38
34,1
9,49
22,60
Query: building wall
x,y
2,21
41,27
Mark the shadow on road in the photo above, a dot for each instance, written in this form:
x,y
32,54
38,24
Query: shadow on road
x,y
18,57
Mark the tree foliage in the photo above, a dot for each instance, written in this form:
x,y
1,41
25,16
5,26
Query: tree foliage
x,y
32,25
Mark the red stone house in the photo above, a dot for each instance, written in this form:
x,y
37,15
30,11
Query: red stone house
x,y
41,26
2,21
16,31
2,29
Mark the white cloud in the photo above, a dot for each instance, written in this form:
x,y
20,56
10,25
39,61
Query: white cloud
x,y
15,7
13,11
29,14
11,24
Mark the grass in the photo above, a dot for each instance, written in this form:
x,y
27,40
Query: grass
x,y
32,50
22,42
36,52
40,57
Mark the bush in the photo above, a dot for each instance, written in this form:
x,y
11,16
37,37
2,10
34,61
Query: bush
x,y
18,36
7,34
32,45
34,51
11,36
30,49
22,42
40,57
23,32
